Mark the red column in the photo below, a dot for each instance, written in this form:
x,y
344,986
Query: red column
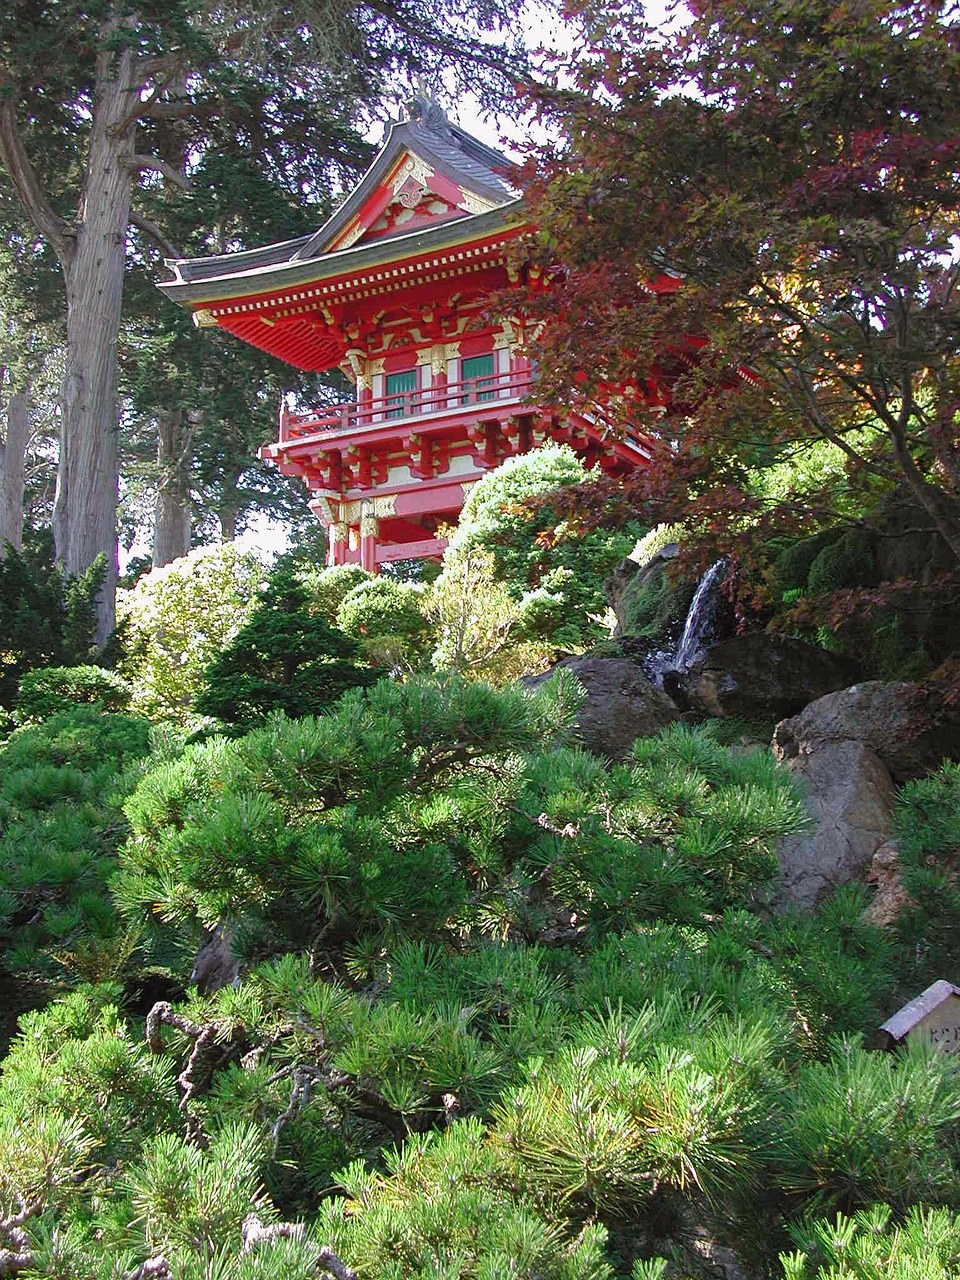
x,y
369,530
364,401
336,543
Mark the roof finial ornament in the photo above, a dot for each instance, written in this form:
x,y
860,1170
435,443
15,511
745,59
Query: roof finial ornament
x,y
423,109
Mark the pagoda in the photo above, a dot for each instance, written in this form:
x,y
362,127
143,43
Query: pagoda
x,y
392,289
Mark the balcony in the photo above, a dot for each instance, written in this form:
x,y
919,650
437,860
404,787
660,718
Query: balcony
x,y
447,400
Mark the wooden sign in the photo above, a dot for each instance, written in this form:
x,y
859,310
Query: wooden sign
x,y
933,1016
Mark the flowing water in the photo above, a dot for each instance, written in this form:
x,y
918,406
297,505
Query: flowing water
x,y
698,630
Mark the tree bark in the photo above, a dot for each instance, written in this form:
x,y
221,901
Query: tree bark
x,y
85,507
13,452
171,534
228,508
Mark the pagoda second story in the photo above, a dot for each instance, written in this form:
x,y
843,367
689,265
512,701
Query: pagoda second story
x,y
393,290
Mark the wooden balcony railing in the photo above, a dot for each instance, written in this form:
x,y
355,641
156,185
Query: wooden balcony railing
x,y
407,406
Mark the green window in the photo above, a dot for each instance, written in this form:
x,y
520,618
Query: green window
x,y
400,388
477,373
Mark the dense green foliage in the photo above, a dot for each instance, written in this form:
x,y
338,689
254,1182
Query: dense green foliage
x,y
62,786
49,690
387,619
557,576
928,837
285,658
178,619
46,618
511,1006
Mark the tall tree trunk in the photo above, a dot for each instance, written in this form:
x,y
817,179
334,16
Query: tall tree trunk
x,y
85,508
228,508
13,453
228,523
171,533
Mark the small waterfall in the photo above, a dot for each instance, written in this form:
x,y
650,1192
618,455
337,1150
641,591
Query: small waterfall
x,y
698,629
701,620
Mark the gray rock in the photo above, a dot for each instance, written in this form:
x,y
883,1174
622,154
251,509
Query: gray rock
x,y
762,677
849,794
880,716
620,706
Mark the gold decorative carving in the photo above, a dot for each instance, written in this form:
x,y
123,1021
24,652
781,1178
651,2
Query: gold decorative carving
x,y
425,356
369,524
506,337
476,204
350,512
322,508
442,352
412,167
364,382
375,366
337,532
385,505
205,319
352,234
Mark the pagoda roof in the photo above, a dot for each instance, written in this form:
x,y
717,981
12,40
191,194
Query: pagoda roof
x,y
426,147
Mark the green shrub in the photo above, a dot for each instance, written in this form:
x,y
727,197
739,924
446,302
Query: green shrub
x,y
864,1127
62,785
847,562
51,690
927,825
442,1209
873,1245
652,543
284,658
312,823
178,619
502,1009
792,566
328,588
538,549
382,609
477,626
46,618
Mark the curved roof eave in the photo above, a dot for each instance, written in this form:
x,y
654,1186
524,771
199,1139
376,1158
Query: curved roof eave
x,y
296,271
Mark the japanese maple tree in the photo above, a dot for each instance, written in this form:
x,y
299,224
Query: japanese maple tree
x,y
757,212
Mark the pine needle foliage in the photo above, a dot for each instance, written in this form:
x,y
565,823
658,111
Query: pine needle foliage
x,y
874,1245
928,838
285,658
503,1009
62,786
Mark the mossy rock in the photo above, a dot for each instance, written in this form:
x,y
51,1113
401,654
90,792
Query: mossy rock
x,y
656,609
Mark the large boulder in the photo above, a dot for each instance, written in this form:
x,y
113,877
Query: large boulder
x,y
882,716
620,705
762,677
849,796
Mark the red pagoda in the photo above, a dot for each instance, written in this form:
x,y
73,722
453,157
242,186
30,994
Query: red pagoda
x,y
392,291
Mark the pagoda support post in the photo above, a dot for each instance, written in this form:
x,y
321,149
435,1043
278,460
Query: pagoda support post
x,y
364,401
337,543
369,530
438,377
